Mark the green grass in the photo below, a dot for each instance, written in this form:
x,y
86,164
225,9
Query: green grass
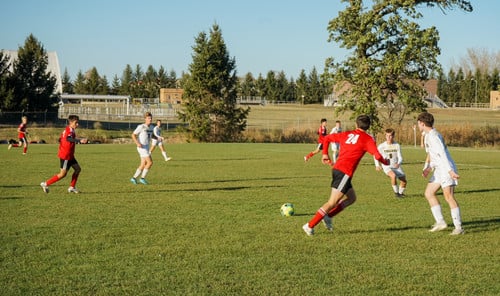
x,y
209,224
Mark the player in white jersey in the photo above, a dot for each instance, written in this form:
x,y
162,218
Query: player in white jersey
x,y
445,175
392,150
141,137
335,146
157,140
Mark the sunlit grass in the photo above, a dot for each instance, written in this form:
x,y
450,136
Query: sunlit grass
x,y
209,224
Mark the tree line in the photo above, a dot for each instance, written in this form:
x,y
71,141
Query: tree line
x,y
390,57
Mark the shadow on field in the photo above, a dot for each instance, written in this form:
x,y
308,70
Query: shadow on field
x,y
482,225
478,190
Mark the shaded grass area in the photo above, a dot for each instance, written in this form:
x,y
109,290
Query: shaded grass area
x,y
209,224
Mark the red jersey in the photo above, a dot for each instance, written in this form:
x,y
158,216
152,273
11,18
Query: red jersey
x,y
67,148
22,130
353,145
322,133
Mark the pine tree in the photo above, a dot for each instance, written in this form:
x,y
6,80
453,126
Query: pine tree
x,y
34,87
210,92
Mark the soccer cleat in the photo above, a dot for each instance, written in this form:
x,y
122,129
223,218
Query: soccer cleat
x,y
143,181
305,158
133,180
438,227
168,158
308,230
327,220
44,186
10,146
398,195
73,190
457,231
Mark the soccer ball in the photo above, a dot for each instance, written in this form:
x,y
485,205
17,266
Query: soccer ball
x,y
287,210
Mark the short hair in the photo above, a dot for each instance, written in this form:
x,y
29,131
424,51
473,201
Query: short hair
x,y
148,114
73,118
158,120
426,118
390,131
323,120
363,122
24,117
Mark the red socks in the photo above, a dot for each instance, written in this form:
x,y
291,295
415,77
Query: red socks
x,y
320,214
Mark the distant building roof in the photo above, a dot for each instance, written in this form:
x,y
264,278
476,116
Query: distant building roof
x,y
52,66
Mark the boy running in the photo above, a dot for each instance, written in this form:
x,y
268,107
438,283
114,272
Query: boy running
x,y
392,150
157,140
141,137
321,135
22,135
66,154
353,145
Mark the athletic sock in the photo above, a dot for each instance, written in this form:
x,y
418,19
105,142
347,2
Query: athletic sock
x,y
395,188
164,154
144,173
320,214
74,178
137,173
52,180
438,215
401,190
457,220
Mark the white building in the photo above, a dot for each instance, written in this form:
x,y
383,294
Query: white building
x,y
52,66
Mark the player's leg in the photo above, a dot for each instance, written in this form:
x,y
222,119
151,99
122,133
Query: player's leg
x,y
402,185
74,178
430,195
392,176
163,151
148,162
448,193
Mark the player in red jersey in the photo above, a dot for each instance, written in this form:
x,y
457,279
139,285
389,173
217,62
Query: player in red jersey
x,y
67,143
22,132
353,145
322,132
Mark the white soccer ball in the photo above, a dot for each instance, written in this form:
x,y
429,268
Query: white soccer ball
x,y
287,210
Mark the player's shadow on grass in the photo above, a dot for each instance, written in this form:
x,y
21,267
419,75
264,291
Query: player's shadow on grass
x,y
482,225
477,190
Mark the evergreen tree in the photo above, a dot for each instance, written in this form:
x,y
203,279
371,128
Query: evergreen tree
x,y
127,81
6,84
34,85
210,92
115,86
79,86
67,86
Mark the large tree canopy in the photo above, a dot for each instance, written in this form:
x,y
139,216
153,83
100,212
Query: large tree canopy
x,y
210,92
390,57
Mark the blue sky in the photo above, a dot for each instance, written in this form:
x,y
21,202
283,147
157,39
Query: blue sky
x,y
262,35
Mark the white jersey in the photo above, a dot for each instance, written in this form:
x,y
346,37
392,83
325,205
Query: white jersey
x,y
156,132
143,133
438,152
391,152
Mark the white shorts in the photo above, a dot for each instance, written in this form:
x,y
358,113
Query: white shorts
x,y
399,171
144,151
443,178
156,142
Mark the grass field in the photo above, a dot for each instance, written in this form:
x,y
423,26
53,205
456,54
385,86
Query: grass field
x,y
209,224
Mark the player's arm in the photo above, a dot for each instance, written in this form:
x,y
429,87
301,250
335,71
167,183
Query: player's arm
x,y
372,149
77,140
134,138
325,159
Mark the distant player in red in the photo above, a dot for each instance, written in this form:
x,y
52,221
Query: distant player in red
x,y
22,132
322,132
67,143
353,145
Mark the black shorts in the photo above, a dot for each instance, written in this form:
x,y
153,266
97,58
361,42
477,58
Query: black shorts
x,y
341,181
23,140
66,164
